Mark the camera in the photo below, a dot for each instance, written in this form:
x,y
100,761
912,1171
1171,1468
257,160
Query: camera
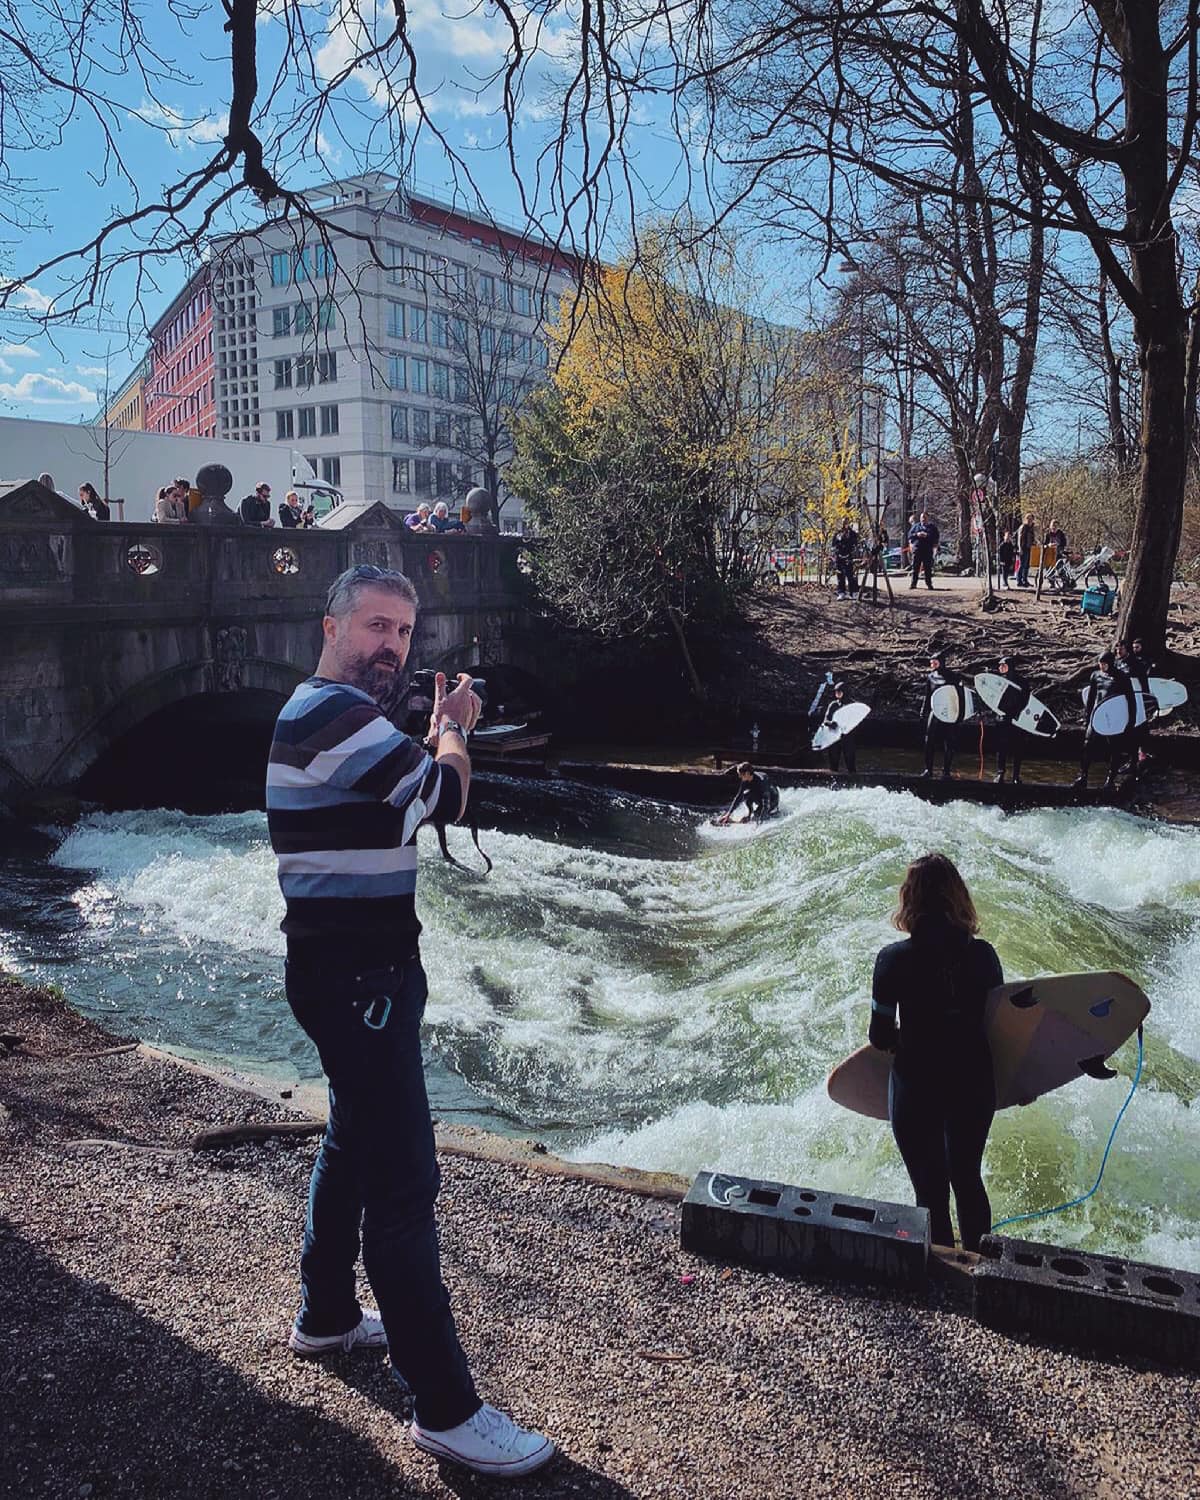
x,y
422,686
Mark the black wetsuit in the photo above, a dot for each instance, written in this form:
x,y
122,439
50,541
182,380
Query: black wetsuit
x,y
943,1093
1138,669
938,735
1101,686
845,546
842,749
1010,739
760,796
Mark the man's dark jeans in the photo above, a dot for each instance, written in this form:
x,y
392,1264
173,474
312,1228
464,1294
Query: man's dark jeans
x,y
376,1170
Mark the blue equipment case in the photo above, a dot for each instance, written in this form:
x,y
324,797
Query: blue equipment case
x,y
1098,600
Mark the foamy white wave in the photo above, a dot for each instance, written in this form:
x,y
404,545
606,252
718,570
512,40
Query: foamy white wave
x,y
708,997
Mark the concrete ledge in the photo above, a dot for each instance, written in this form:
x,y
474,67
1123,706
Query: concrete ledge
x,y
1098,1303
804,1232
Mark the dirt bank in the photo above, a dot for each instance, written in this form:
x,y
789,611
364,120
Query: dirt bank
x,y
146,1289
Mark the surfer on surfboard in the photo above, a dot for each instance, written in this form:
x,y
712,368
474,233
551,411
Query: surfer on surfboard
x,y
1102,684
938,734
760,796
942,1094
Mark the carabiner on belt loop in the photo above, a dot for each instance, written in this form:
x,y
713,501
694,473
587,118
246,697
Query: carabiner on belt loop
x,y
377,1012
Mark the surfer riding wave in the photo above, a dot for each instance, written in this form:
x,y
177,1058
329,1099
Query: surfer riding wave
x,y
942,1094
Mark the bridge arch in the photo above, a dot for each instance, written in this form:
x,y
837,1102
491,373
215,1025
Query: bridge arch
x,y
261,687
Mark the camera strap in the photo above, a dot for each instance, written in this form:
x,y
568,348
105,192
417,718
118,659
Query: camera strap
x,y
457,863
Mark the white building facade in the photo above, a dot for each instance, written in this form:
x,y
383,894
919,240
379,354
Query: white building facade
x,y
388,343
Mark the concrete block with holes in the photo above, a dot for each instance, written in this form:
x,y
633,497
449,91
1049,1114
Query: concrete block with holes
x,y
1102,1304
802,1231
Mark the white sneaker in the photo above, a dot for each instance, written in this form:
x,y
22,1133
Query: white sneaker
x,y
367,1333
490,1442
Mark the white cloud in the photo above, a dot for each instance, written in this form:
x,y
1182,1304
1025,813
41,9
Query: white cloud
x,y
326,150
18,351
47,390
28,297
6,368
181,131
90,370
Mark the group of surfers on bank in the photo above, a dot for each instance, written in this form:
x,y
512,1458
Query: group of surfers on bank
x,y
1124,672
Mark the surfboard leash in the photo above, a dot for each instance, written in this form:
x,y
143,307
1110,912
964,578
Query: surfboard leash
x,y
1043,1213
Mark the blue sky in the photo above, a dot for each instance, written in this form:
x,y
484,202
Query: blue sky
x,y
169,122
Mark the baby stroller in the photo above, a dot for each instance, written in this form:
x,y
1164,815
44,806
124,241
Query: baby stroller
x,y
1097,566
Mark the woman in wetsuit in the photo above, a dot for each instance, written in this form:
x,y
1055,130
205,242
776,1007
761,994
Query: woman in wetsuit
x,y
943,1094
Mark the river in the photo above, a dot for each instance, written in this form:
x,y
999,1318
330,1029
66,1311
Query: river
x,y
633,985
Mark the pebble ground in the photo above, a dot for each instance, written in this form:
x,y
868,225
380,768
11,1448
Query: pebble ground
x,y
145,1295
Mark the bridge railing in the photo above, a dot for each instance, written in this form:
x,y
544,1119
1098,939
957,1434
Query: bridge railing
x,y
164,569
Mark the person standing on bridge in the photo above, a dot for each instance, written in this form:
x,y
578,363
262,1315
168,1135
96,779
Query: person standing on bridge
x,y
346,795
255,509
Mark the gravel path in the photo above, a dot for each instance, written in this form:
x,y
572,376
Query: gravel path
x,y
145,1295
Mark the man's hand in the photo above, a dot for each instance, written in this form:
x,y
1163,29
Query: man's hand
x,y
460,704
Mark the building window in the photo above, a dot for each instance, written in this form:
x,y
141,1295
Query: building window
x,y
327,367
461,386
331,470
522,347
541,353
519,299
487,287
324,260
302,265
313,462
506,344
417,325
302,321
393,258
395,322
329,420
400,424
305,369
420,426
306,421
397,372
281,268
460,276
420,376
284,426
326,309
281,322
487,340
441,381
445,478
462,433
422,476
439,330
441,428
400,479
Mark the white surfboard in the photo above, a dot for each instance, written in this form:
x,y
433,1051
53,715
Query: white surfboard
x,y
1112,716
1018,704
845,721
498,731
1043,1033
1168,694
953,703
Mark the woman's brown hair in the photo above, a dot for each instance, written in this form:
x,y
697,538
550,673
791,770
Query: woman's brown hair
x,y
933,887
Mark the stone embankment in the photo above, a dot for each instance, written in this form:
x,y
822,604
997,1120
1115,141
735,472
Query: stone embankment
x,y
146,1290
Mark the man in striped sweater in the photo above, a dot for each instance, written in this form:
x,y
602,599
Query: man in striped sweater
x,y
346,795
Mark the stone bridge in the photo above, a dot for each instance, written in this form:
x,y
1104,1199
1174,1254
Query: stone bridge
x,y
104,626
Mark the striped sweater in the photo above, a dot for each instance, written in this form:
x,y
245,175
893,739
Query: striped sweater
x,y
346,794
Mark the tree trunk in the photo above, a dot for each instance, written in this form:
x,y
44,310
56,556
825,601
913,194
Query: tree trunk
x,y
1158,326
1158,523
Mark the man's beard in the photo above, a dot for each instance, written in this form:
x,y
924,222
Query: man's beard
x,y
387,685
